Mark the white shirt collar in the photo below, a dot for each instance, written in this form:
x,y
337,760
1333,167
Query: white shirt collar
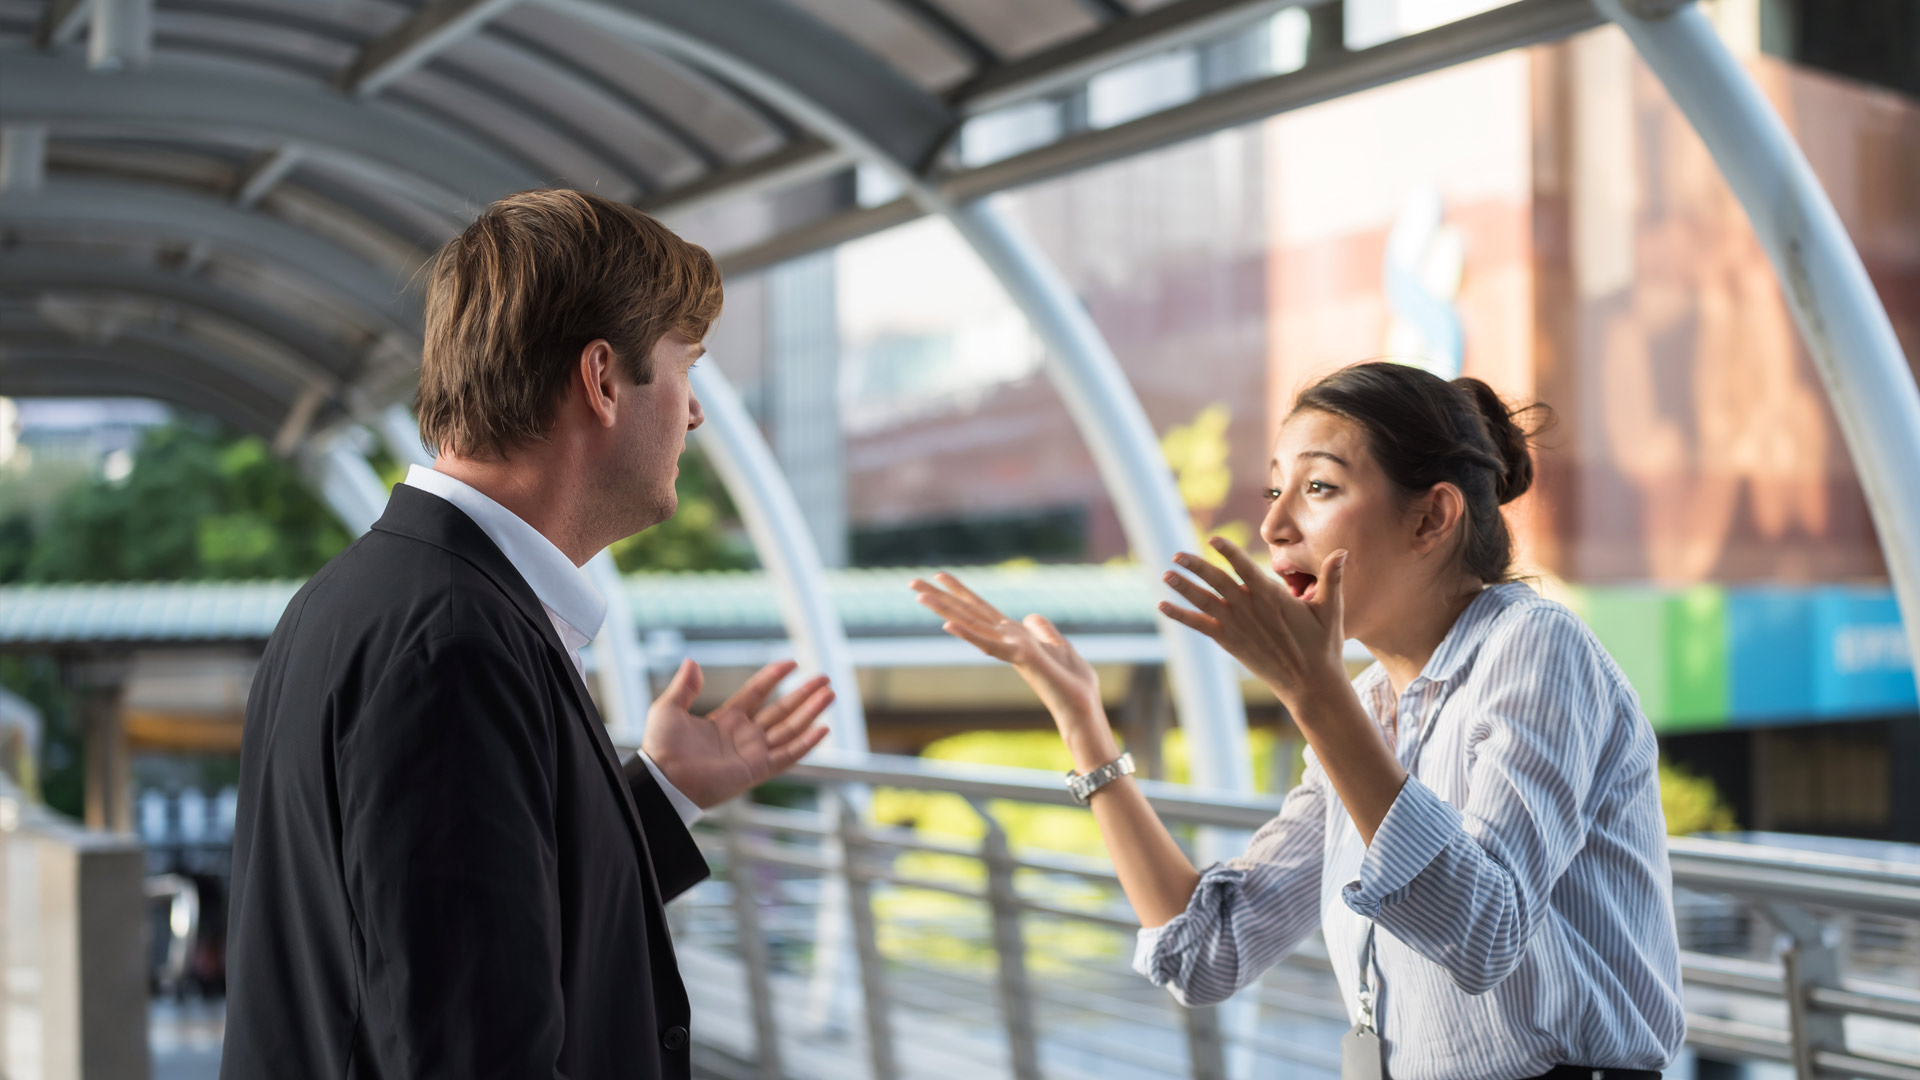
x,y
560,586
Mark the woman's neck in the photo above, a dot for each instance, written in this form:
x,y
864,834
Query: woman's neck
x,y
1411,635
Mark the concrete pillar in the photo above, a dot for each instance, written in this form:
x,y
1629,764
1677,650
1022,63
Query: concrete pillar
x,y
93,956
109,764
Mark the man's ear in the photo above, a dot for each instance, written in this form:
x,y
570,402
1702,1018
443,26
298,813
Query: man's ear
x,y
597,379
1437,517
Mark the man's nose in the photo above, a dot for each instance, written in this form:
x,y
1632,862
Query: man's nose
x,y
696,416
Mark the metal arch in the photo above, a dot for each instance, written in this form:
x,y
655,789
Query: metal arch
x,y
51,364
738,452
831,87
379,296
852,98
22,273
1841,318
243,379
407,154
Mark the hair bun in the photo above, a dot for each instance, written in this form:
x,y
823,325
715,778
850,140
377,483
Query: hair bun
x,y
1510,440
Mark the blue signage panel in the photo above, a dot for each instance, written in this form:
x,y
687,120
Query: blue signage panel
x,y
1861,663
1770,654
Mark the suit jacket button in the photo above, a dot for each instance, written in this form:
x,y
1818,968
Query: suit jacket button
x,y
675,1038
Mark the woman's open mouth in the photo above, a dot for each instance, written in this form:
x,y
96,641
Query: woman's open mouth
x,y
1299,583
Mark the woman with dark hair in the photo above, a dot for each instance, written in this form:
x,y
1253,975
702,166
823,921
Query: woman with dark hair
x,y
1478,832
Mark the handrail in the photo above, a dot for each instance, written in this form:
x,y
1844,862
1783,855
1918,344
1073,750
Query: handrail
x,y
1797,892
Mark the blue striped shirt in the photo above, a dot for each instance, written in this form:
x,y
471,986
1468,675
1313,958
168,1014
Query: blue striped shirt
x,y
1519,882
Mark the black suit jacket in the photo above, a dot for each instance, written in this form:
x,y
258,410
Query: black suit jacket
x,y
440,869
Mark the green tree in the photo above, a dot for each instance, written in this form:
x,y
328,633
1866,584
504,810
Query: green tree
x,y
199,504
702,535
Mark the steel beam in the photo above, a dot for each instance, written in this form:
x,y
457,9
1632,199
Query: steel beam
x,y
61,22
851,97
437,25
55,365
338,472
411,156
23,157
1845,326
265,174
117,207
27,273
121,36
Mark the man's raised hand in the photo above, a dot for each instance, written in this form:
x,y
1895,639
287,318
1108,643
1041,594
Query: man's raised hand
x,y
725,753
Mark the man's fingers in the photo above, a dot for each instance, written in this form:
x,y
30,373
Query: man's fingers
x,y
805,713
755,690
780,710
685,685
783,759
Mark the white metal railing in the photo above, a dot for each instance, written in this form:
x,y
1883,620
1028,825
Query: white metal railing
x,y
1804,959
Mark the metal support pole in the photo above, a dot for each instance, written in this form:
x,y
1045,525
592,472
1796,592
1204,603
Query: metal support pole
x,y
753,940
866,937
23,157
340,475
1206,1048
1089,379
1010,948
1810,962
122,35
1845,326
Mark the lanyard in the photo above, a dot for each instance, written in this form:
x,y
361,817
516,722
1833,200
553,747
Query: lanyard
x,y
1366,989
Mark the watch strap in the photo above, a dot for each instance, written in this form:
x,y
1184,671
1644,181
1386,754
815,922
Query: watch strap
x,y
1083,785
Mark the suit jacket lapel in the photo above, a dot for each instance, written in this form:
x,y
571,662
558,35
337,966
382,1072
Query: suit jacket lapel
x,y
431,519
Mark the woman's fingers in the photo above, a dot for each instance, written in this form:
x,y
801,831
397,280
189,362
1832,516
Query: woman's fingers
x,y
1206,624
954,609
1222,582
967,596
1242,563
1195,594
992,644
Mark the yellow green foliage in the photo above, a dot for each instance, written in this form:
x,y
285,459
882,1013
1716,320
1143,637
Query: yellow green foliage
x,y
1197,453
1691,803
952,931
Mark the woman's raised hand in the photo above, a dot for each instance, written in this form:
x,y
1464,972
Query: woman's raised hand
x,y
1293,645
1066,683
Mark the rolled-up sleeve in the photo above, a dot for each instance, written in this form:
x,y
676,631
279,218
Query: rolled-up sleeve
x,y
1467,887
1248,912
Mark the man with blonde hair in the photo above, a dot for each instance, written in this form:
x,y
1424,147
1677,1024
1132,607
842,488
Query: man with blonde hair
x,y
440,867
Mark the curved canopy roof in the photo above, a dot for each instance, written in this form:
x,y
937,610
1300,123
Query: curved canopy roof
x,y
225,203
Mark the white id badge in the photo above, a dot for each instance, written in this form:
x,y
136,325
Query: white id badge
x,y
1361,1057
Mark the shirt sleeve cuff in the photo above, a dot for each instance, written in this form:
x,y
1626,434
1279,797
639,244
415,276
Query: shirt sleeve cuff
x,y
1418,827
689,813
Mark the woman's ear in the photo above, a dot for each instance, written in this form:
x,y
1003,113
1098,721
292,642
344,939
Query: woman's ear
x,y
1437,517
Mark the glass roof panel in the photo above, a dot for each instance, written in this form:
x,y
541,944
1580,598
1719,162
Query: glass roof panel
x,y
1017,28
896,37
620,133
701,108
534,140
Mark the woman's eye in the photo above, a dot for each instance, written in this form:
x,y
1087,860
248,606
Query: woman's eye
x,y
1316,487
1270,494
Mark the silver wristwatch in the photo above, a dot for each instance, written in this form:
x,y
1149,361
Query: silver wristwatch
x,y
1083,785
